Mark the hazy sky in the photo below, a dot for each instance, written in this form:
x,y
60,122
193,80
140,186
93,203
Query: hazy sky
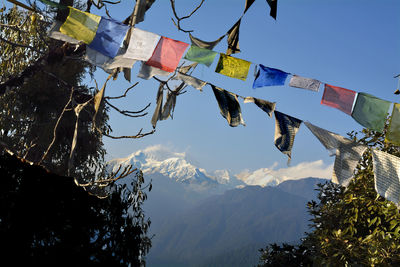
x,y
352,44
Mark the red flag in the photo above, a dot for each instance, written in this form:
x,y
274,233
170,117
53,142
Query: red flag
x,y
339,98
167,54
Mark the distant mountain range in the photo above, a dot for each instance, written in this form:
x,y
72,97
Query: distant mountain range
x,y
215,219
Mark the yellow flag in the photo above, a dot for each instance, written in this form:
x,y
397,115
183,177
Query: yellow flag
x,y
80,25
233,67
393,133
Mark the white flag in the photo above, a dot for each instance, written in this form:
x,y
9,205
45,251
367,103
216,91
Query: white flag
x,y
305,83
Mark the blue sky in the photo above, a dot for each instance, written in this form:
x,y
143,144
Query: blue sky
x,y
352,44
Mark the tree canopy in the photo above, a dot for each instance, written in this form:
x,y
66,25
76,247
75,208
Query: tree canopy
x,y
351,226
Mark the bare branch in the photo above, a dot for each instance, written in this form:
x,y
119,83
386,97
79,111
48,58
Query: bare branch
x,y
127,112
56,126
124,95
20,45
179,19
137,136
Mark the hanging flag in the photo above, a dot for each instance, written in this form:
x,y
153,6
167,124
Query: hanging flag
x,y
147,72
286,128
265,105
387,174
170,102
273,4
229,106
167,54
348,153
331,141
305,83
80,25
109,37
268,77
207,45
200,55
370,111
107,63
141,8
55,33
393,132
338,97
233,67
53,4
190,80
233,39
158,111
247,5
141,44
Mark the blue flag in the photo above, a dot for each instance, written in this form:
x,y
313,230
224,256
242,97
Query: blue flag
x,y
109,37
269,76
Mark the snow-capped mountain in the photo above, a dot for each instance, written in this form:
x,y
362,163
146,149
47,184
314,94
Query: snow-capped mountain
x,y
174,165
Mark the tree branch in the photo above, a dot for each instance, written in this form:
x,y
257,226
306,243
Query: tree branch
x,y
179,19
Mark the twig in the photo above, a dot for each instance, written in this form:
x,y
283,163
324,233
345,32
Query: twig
x,y
21,45
56,126
124,95
127,112
138,135
179,19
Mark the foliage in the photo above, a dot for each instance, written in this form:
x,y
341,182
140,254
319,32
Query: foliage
x,y
351,226
30,111
46,220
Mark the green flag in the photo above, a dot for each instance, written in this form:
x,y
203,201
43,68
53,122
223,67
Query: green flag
x,y
370,111
393,133
200,55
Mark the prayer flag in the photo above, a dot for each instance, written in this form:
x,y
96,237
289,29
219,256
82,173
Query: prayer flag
x,y
190,80
55,33
387,174
233,67
265,105
142,7
109,37
203,44
268,76
80,25
286,128
273,4
147,72
158,111
107,63
167,54
229,106
233,39
370,111
393,133
338,97
200,55
141,44
348,153
305,83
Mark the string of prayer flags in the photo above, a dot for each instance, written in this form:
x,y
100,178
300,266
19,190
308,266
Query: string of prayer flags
x,y
203,44
265,105
393,132
109,37
141,44
55,33
233,39
158,111
286,128
304,83
348,153
273,4
80,25
338,97
269,76
370,111
386,174
167,54
233,67
147,72
200,55
229,106
190,80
